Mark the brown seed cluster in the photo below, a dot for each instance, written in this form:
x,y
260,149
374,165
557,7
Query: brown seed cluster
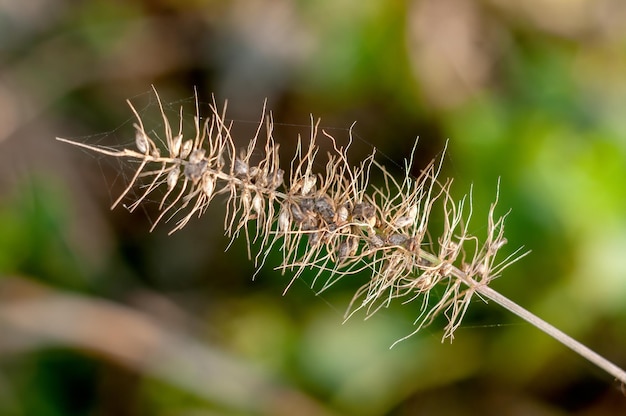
x,y
332,221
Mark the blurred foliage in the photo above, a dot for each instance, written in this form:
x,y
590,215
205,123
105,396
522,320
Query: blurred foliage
x,y
531,93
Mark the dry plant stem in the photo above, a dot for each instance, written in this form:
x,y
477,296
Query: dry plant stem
x,y
334,221
555,333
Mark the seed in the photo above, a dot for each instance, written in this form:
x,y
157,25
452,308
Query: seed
x,y
196,156
315,238
257,204
308,185
194,171
240,169
397,239
342,214
376,241
307,204
141,141
323,206
365,212
309,223
403,221
413,244
297,213
283,220
186,149
407,219
208,184
172,178
347,248
176,143
277,179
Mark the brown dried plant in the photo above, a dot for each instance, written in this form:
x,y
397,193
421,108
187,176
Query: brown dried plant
x,y
333,221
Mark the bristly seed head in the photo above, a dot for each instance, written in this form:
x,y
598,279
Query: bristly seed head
x,y
318,219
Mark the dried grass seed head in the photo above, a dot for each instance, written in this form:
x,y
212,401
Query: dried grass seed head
x,y
344,219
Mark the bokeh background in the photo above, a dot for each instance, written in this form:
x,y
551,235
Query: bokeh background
x,y
100,317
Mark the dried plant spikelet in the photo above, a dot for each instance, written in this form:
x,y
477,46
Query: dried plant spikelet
x,y
194,171
208,184
155,153
240,168
376,241
186,148
315,238
258,203
406,220
296,213
323,206
499,243
284,220
347,248
253,172
246,200
176,144
196,156
342,215
397,239
364,212
141,141
277,179
307,204
482,269
308,184
403,221
172,178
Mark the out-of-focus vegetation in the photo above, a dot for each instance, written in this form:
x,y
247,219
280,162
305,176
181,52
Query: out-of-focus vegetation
x,y
98,316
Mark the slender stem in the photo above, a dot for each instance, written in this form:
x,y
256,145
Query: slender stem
x,y
555,333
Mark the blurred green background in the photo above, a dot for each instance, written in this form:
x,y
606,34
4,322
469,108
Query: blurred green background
x,y
100,317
